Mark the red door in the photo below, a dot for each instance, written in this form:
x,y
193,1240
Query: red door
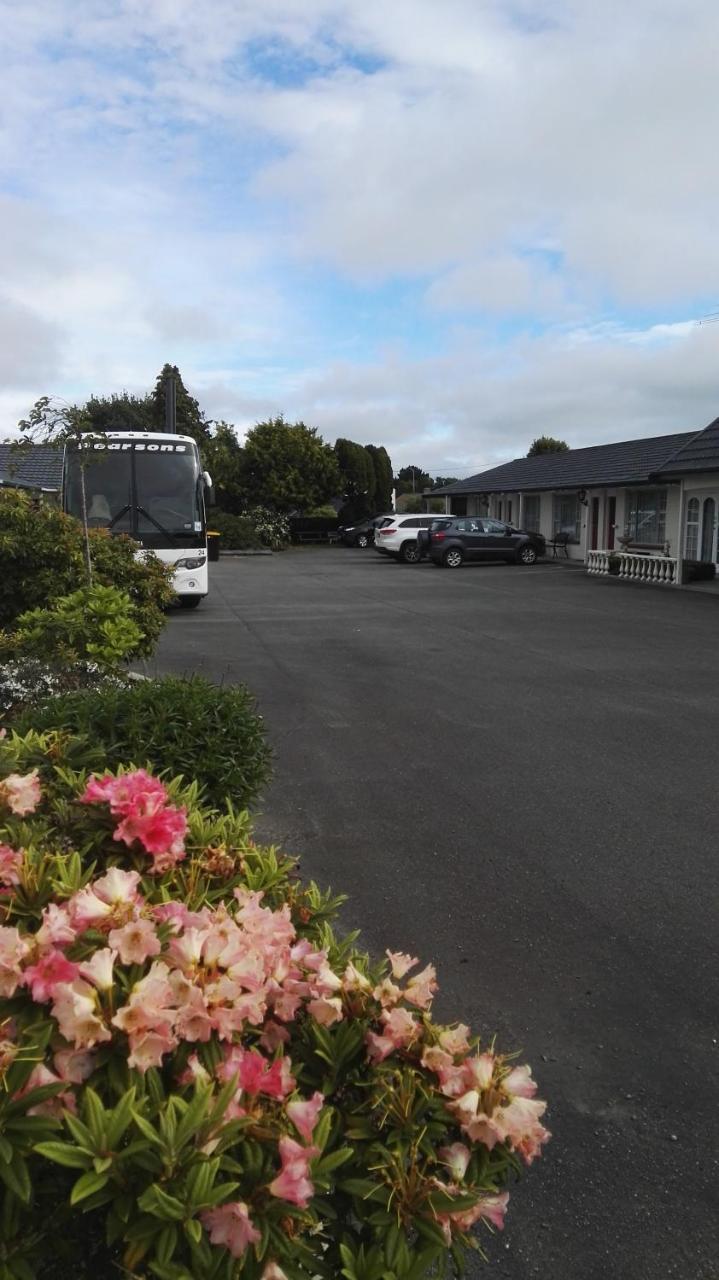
x,y
611,521
595,524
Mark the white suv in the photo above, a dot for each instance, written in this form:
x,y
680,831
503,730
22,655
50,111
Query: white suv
x,y
397,536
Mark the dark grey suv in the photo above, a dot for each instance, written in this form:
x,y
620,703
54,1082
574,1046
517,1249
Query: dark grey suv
x,y
450,541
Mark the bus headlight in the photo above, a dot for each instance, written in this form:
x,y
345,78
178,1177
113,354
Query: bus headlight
x,y
190,562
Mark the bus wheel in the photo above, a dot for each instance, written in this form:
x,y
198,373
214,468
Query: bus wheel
x,y
189,602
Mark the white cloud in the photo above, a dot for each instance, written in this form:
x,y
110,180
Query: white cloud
x,y
167,198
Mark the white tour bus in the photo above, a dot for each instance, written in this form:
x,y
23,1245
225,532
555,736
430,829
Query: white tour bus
x,y
148,485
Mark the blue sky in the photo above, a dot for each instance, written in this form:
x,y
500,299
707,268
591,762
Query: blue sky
x,y
447,229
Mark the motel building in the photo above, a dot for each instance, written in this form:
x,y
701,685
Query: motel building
x,y
644,509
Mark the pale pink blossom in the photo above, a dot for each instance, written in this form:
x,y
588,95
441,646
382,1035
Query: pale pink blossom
x,y
456,1157
75,1010
13,949
11,861
387,993
519,1123
455,1039
194,1072
479,1071
87,910
273,1035
135,942
118,887
378,1047
325,1011
42,977
421,987
519,1082
492,1208
304,1114
273,1272
293,1183
39,1077
122,793
56,929
148,1048
21,793
98,969
400,963
230,1225
353,980
74,1065
193,1021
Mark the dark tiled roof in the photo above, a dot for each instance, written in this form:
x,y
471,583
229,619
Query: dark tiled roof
x,y
627,462
39,468
701,453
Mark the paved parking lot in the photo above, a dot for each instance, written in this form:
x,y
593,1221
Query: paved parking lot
x,y
514,774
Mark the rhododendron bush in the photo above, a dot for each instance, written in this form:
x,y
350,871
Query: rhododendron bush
x,y
200,1079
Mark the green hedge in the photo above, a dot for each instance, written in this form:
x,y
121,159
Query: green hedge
x,y
172,724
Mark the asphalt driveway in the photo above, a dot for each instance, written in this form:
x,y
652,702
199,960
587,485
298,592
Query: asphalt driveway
x,y
514,773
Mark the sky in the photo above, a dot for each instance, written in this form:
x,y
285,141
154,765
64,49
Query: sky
x,y
445,227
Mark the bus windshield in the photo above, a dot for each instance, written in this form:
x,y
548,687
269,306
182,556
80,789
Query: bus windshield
x,y
152,495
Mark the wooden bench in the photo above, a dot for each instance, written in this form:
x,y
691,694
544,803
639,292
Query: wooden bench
x,y
560,540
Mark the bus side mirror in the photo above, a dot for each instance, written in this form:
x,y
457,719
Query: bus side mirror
x,y
209,489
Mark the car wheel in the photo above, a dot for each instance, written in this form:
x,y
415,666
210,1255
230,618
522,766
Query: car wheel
x,y
527,554
362,540
189,602
410,553
453,558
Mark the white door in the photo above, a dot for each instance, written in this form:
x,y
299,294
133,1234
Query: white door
x,y
701,527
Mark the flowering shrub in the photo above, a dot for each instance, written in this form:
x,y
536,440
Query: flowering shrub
x,y
28,682
193,1060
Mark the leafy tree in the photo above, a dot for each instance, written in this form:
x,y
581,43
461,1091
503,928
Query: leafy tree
x,y
547,444
358,480
288,466
53,422
224,458
412,480
441,481
123,412
383,477
191,421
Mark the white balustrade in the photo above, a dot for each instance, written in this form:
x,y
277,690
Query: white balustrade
x,y
647,568
634,565
597,562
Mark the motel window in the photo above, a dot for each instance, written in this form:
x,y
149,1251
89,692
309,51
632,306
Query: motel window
x,y
567,516
646,516
532,504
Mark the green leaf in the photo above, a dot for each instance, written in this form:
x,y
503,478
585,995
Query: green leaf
x,y
166,1243
161,1205
120,1119
63,1153
87,1185
332,1161
193,1230
16,1177
95,1117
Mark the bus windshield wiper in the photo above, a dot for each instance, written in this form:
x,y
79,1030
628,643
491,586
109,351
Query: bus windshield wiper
x,y
119,515
160,527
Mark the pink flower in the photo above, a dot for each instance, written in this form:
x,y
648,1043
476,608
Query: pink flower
x,y
98,969
387,993
87,909
74,1065
378,1047
13,949
135,942
75,1010
21,793
455,1039
353,980
401,1026
273,1272
273,1035
11,861
56,929
493,1208
421,988
519,1124
479,1071
400,963
519,1083
148,1048
456,1157
118,887
161,833
230,1225
123,793
304,1114
193,1021
293,1182
325,1011
43,976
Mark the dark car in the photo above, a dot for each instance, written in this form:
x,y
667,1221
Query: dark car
x,y
451,540
360,534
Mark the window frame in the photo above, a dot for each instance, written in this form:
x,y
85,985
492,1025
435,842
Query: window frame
x,y
559,524
635,498
534,499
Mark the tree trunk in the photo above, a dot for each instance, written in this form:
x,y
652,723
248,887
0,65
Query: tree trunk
x,y
85,531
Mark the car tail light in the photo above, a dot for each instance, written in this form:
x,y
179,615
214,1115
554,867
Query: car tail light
x,y
381,531
438,537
